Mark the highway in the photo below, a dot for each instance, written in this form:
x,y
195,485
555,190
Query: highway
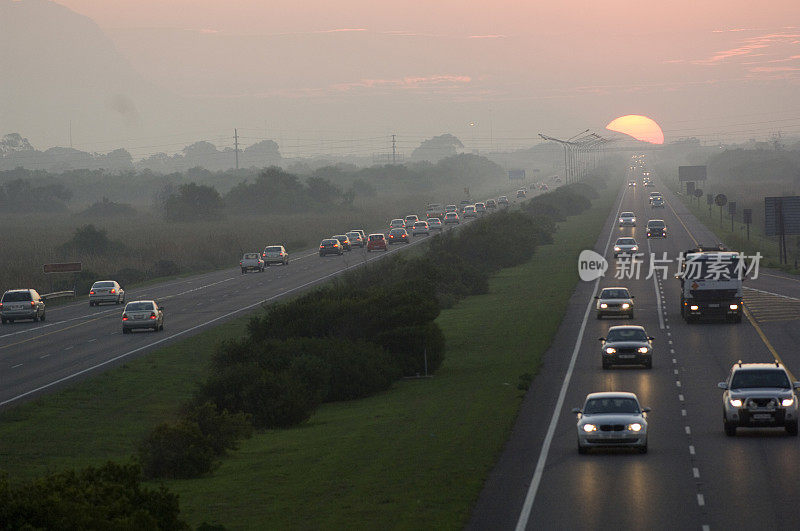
x,y
77,340
693,477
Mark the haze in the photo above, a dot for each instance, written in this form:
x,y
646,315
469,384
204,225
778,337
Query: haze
x,y
356,71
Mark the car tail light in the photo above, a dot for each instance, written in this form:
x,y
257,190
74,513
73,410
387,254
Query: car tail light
x,y
91,292
33,303
336,245
124,317
113,291
152,315
1,304
321,246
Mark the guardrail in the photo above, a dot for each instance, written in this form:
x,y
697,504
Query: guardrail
x,y
58,294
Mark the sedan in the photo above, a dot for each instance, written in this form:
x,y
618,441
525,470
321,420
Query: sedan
x,y
470,212
451,217
450,208
106,291
656,228
625,246
614,301
142,314
612,419
480,208
409,222
435,224
398,236
421,227
626,345
502,200
330,246
627,219
356,239
376,242
344,240
397,223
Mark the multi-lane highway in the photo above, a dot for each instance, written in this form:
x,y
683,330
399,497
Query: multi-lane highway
x,y
694,476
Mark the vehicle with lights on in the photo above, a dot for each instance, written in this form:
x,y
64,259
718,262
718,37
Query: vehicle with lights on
x,y
759,395
625,246
106,291
656,228
616,301
626,345
711,283
612,419
627,219
143,314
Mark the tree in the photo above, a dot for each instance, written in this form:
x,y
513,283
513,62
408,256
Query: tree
x,y
437,148
193,202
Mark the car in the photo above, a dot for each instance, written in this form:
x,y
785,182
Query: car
x,y
520,194
656,228
450,218
330,246
491,204
275,254
626,345
376,242
106,291
421,227
409,222
398,236
612,419
143,314
450,208
344,240
657,202
356,239
22,304
614,301
502,201
435,224
625,246
397,223
470,212
464,204
653,195
759,395
480,208
434,210
631,183
648,183
251,262
627,219
363,235
544,187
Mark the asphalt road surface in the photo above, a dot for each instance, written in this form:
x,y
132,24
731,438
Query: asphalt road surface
x,y
694,477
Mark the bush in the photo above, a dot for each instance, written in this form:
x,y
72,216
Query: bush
x,y
411,346
108,497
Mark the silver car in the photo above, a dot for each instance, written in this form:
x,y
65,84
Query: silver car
x,y
142,314
21,304
470,212
435,224
625,246
275,254
627,219
356,240
612,419
420,227
106,291
614,301
627,345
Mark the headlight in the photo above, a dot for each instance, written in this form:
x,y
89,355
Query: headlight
x,y
616,248
736,402
589,428
621,220
610,350
625,305
786,402
734,306
643,350
603,305
635,427
694,307
635,248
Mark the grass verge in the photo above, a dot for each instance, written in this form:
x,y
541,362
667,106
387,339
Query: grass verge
x,y
415,456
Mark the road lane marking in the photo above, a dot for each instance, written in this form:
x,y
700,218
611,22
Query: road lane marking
x,y
766,341
49,333
17,365
700,500
696,473
680,397
688,430
43,356
691,449
530,496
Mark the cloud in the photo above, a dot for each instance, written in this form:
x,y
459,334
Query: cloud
x,y
408,82
341,30
125,107
750,46
487,37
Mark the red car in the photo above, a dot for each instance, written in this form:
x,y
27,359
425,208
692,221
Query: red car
x,y
398,236
376,242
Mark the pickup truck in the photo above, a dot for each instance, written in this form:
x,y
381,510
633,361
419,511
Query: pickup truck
x,y
251,262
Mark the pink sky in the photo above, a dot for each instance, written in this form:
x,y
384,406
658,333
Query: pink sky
x,y
431,66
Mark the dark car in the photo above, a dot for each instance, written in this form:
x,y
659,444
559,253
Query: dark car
x,y
21,304
397,236
330,246
345,241
656,228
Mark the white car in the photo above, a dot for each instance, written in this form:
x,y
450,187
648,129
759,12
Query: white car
x,y
627,219
612,419
420,227
614,301
451,217
106,291
435,224
625,246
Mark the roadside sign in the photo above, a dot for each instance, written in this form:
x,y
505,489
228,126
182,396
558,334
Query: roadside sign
x,y
747,216
63,267
720,200
698,193
691,173
732,208
710,199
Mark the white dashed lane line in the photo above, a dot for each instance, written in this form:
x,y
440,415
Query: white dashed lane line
x,y
17,365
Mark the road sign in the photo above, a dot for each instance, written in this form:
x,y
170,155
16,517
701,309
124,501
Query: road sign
x,y
690,188
782,215
64,267
732,208
720,200
747,216
691,173
516,175
698,193
710,199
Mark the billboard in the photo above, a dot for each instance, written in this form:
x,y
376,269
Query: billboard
x,y
690,188
782,215
516,175
691,173
64,267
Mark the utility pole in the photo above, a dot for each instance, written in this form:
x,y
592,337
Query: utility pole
x,y
70,134
394,149
236,145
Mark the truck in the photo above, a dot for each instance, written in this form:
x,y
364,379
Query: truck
x,y
252,262
711,283
434,210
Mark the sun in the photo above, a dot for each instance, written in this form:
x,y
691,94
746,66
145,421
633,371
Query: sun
x,y
639,127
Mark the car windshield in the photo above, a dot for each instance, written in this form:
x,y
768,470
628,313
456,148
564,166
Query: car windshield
x,y
17,296
251,255
760,378
420,223
626,334
353,235
626,215
397,232
434,221
615,294
139,307
626,241
656,224
375,237
330,242
598,406
104,284
273,249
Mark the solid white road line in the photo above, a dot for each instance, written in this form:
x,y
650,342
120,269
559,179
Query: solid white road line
x,y
527,506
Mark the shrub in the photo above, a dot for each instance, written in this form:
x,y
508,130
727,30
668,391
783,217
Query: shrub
x,y
412,347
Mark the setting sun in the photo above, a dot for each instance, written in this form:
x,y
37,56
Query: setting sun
x,y
639,127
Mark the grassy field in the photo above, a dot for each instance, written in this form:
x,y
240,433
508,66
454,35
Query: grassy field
x,y
415,456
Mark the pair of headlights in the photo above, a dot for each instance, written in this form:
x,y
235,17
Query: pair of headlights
x,y
635,427
737,402
640,350
625,305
